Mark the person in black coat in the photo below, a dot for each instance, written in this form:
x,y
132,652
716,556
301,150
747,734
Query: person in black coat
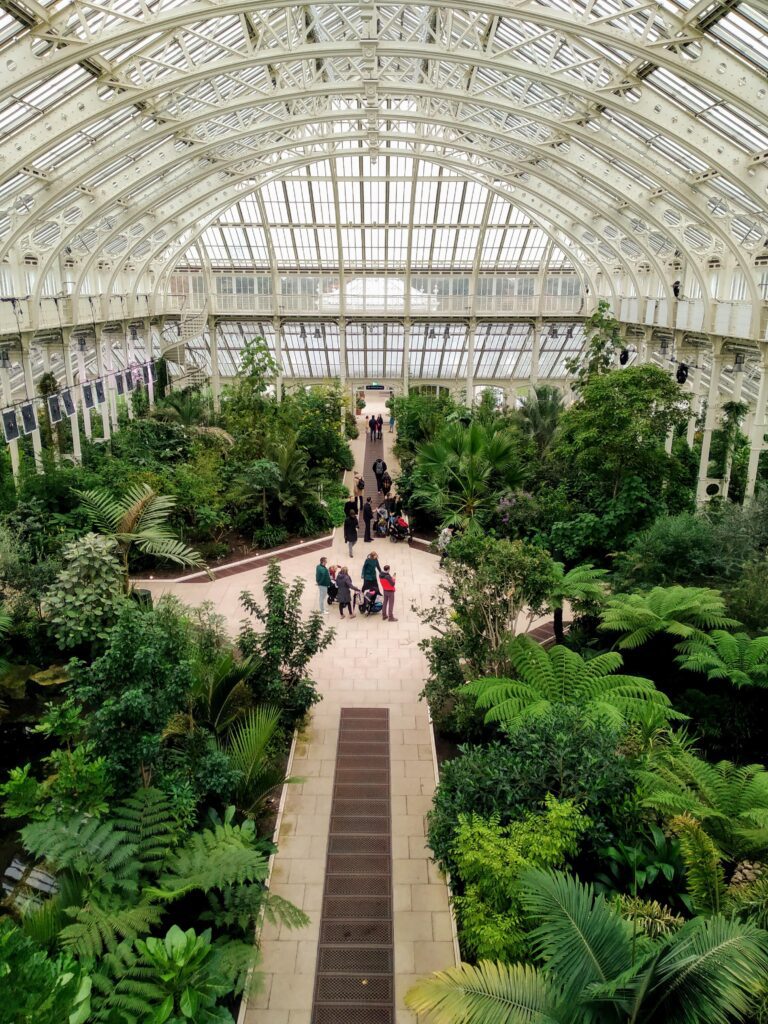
x,y
372,427
379,469
350,506
367,517
350,532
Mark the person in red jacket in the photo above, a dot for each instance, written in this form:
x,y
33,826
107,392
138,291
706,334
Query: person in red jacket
x,y
387,581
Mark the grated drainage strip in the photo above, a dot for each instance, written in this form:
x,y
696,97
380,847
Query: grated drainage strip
x,y
354,982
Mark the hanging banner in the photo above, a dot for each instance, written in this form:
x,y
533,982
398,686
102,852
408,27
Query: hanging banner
x,y
145,372
88,398
68,402
120,383
28,418
10,425
100,396
130,383
153,371
54,408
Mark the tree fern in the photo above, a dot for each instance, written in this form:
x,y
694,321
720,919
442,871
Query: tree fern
x,y
150,818
737,657
97,929
730,801
682,612
96,848
561,676
241,906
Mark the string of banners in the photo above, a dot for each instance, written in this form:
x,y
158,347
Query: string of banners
x,y
61,405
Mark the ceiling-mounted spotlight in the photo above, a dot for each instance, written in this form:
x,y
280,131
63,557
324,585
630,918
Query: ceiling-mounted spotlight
x,y
682,373
82,344
569,332
447,331
624,356
739,362
431,332
134,333
5,359
553,330
663,346
317,333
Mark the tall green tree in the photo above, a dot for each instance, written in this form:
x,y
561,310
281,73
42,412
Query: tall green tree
x,y
581,587
539,414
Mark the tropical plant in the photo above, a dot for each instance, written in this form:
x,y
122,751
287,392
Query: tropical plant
x,y
546,678
595,969
603,334
539,414
458,475
280,653
649,866
139,518
298,488
38,988
737,657
86,598
490,860
730,801
219,694
682,612
248,750
581,587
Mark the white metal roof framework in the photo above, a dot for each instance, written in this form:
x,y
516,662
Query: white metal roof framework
x,y
623,141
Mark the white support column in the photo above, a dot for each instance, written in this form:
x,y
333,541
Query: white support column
x,y
471,329
69,377
46,358
713,408
538,327
406,356
343,369
215,376
128,361
104,407
110,385
738,382
148,357
277,326
13,446
759,426
82,379
696,381
29,387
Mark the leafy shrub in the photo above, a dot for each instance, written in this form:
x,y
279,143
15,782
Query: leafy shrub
x,y
674,549
561,754
270,537
86,598
491,858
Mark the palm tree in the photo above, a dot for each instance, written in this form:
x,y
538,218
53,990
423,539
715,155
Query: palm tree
x,y
298,482
458,476
730,801
247,749
539,414
560,676
594,970
579,586
737,657
219,695
139,517
683,612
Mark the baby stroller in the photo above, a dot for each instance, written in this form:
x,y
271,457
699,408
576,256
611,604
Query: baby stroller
x,y
380,522
370,603
399,529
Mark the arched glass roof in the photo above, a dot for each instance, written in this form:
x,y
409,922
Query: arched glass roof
x,y
585,134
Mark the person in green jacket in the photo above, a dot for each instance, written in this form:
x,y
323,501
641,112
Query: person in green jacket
x,y
370,568
323,580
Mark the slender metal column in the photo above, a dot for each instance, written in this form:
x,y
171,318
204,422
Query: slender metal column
x,y
29,385
406,356
215,376
471,329
713,408
759,426
104,407
69,377
277,326
82,379
13,446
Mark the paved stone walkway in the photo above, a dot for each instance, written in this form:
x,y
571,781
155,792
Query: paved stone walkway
x,y
370,663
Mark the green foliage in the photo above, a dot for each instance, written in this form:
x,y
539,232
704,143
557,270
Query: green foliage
x,y
457,476
38,988
747,598
281,652
596,970
562,755
681,549
538,415
730,801
87,596
682,612
581,587
651,866
133,689
739,658
704,873
270,537
545,678
490,860
248,752
603,333
76,781
140,517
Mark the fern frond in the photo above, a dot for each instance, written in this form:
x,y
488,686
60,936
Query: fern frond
x,y
705,877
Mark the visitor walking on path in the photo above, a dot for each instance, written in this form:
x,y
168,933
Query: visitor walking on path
x,y
391,422
350,533
344,594
387,580
367,517
372,426
323,580
350,505
370,568
360,491
386,484
379,469
379,426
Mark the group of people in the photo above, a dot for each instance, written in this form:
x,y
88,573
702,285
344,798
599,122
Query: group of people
x,y
335,584
359,502
376,425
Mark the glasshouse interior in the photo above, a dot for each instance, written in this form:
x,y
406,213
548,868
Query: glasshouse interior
x,y
384,512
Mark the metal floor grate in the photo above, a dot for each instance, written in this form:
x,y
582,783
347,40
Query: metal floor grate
x,y
354,982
